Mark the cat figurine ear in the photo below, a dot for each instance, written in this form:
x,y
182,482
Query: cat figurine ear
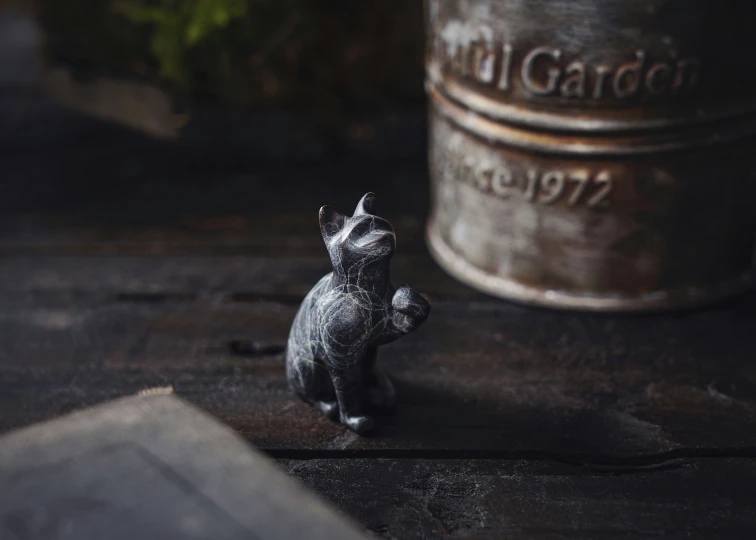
x,y
331,222
365,206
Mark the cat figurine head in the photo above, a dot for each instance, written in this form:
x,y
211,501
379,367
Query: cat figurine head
x,y
358,241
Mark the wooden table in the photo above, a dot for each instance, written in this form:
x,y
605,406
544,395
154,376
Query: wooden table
x,y
129,264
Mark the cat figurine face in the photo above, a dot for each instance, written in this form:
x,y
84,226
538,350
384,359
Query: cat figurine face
x,y
359,241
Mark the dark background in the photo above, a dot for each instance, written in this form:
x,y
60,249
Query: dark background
x,y
127,91
290,79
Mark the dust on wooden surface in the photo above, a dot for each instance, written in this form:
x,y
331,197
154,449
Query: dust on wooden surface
x,y
138,264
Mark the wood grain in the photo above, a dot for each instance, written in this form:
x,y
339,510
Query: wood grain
x,y
127,264
419,499
483,377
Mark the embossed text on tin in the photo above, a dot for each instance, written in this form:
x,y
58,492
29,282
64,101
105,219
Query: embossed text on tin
x,y
551,71
578,187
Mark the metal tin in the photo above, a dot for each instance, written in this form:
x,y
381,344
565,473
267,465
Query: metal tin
x,y
593,154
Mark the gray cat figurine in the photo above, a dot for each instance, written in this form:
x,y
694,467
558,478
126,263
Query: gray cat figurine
x,y
333,342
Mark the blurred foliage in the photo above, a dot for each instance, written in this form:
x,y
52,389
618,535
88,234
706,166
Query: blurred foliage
x,y
327,55
179,26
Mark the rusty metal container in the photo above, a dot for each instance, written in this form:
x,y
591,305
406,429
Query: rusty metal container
x,y
594,154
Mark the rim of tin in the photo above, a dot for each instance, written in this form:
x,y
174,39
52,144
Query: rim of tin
x,y
520,115
614,144
508,289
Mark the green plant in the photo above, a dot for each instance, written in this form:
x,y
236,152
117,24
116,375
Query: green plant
x,y
178,26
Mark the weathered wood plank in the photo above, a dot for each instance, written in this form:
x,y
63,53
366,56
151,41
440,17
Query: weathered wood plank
x,y
262,233
425,499
486,378
129,264
238,276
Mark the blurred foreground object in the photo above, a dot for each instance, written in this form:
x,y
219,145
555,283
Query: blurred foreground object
x,y
150,467
590,154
